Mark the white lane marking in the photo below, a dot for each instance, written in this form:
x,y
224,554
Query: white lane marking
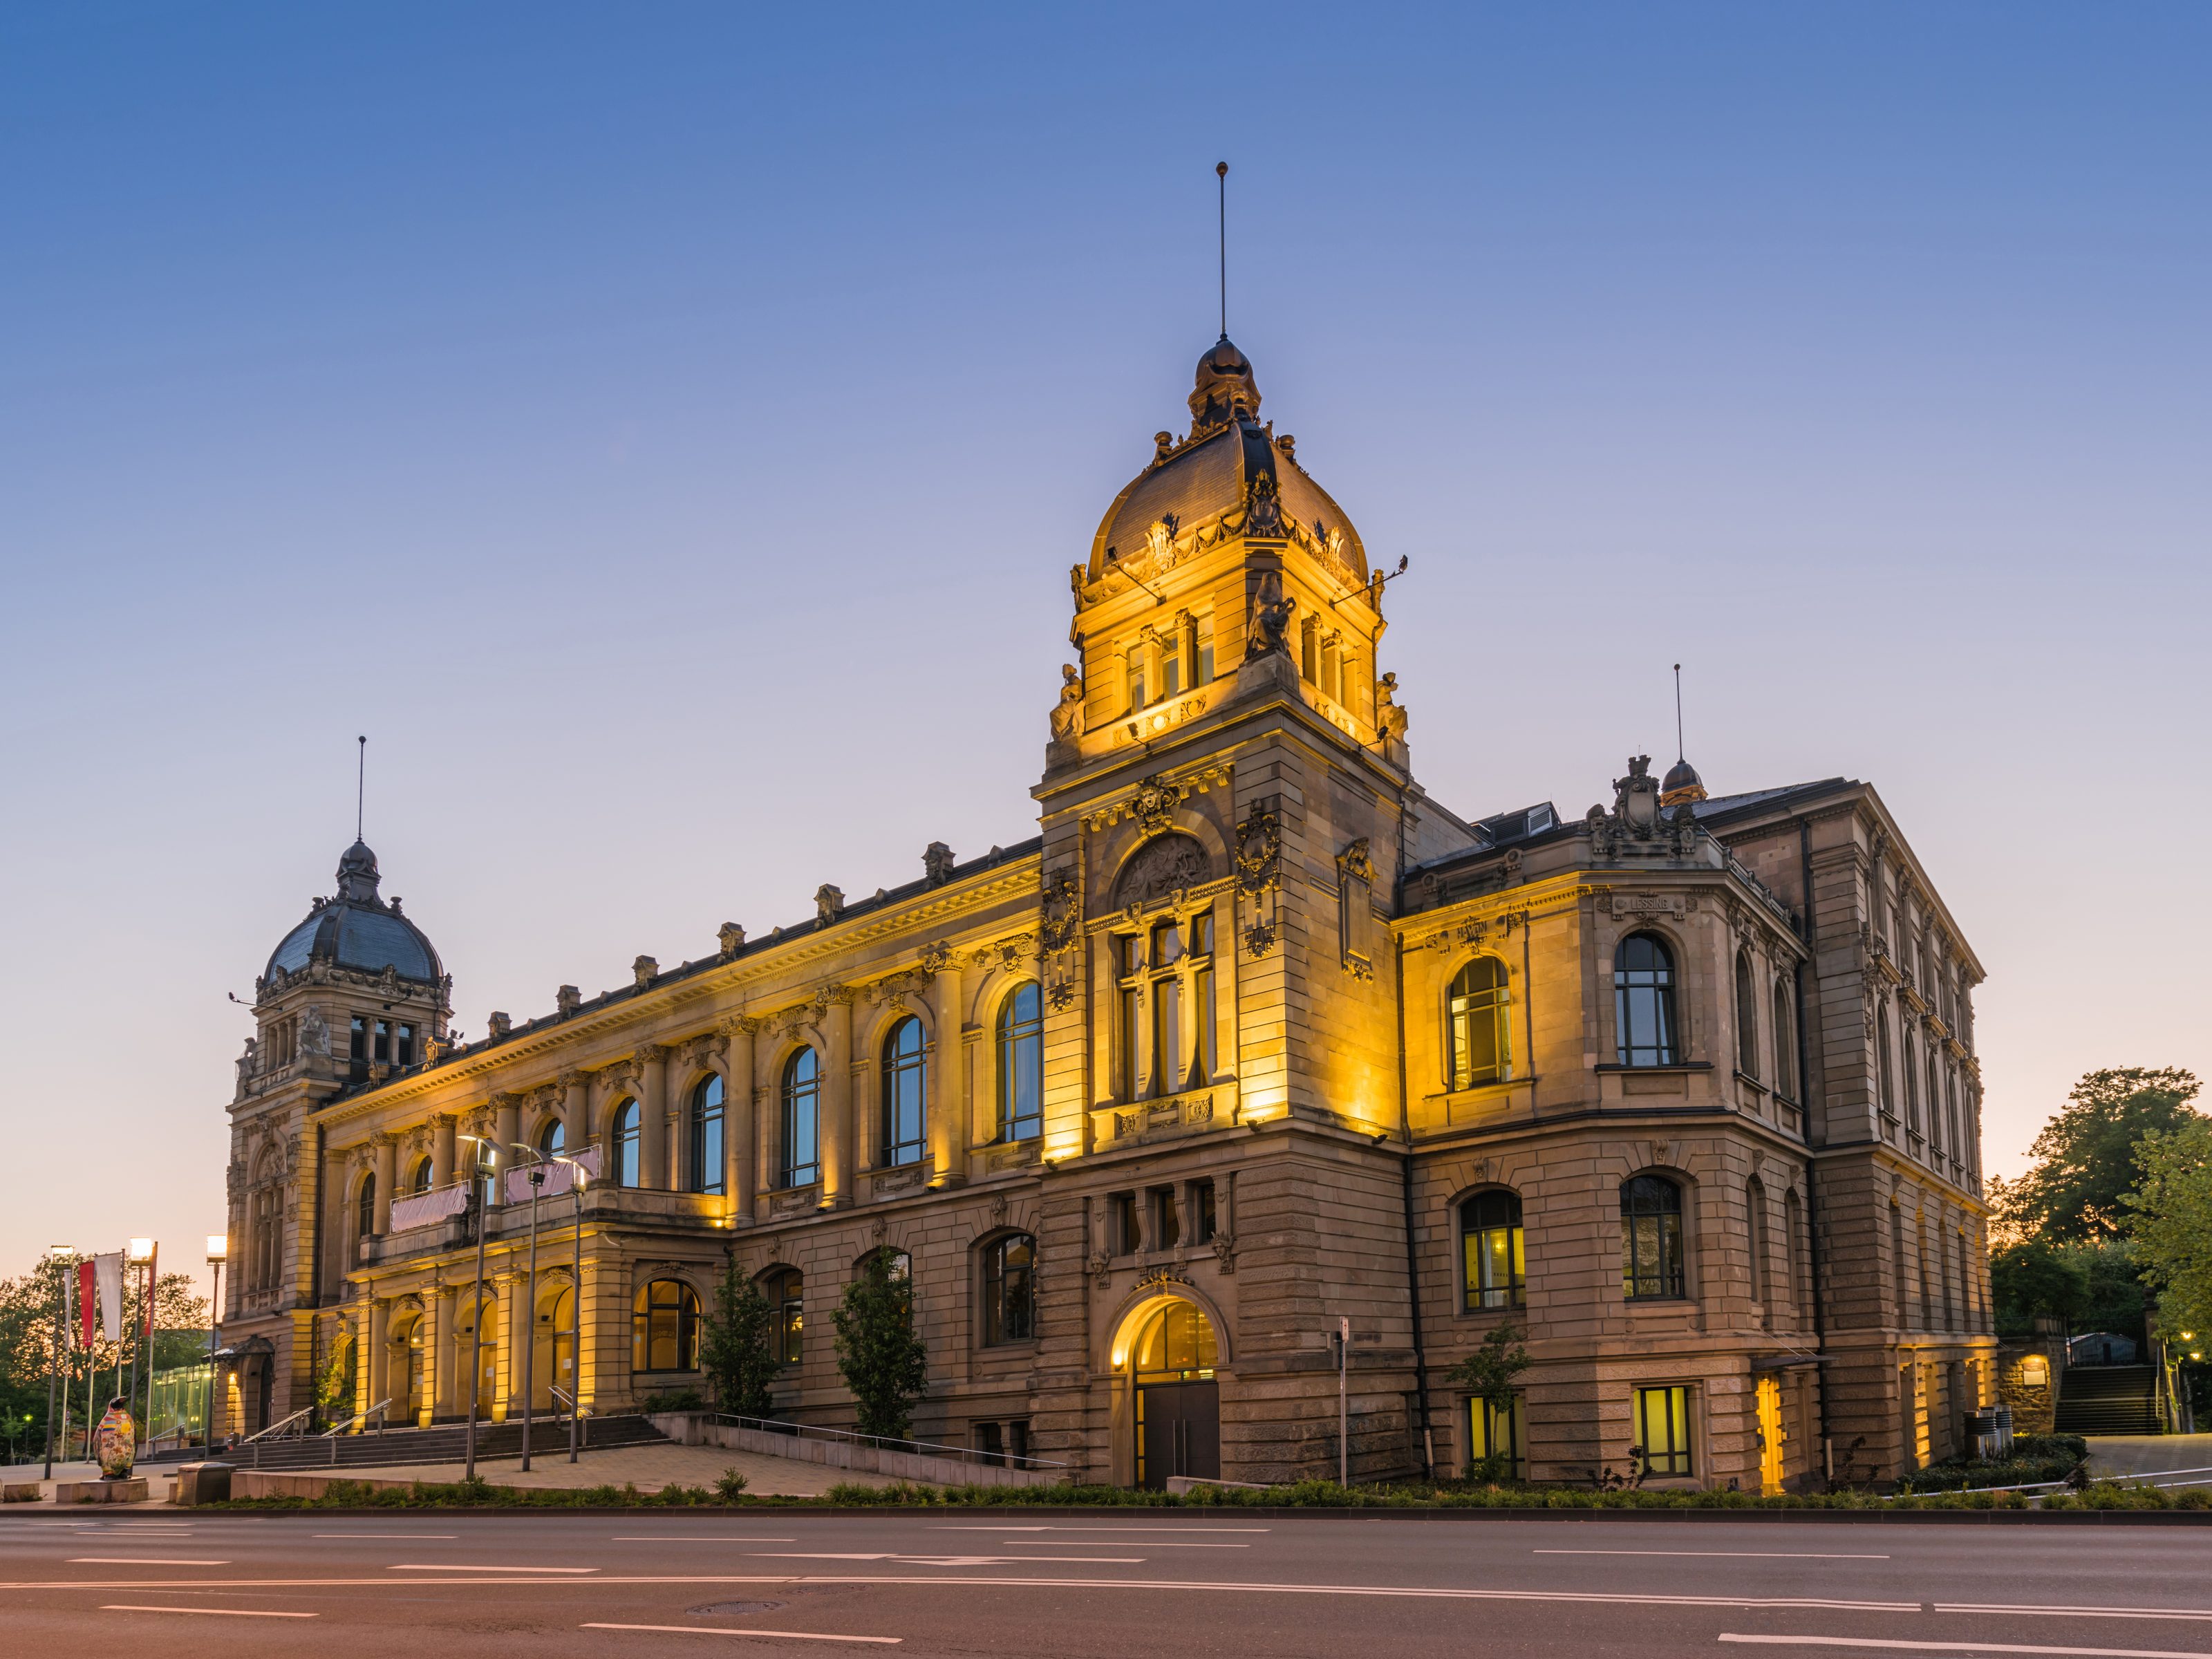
x,y
387,1535
1150,1543
447,1566
1733,1555
228,1613
1608,1598
2074,1612
142,1561
716,1630
1093,1526
1959,1647
955,1560
651,1538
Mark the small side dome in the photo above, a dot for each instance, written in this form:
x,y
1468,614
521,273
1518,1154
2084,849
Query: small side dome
x,y
1681,783
358,930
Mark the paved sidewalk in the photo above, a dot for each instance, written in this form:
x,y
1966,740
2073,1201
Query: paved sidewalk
x,y
2148,1453
648,1467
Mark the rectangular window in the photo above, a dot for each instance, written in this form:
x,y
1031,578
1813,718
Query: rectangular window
x,y
1136,678
1122,1222
403,1051
1201,1212
1663,1429
359,1050
1204,674
1166,1230
1125,954
1495,1434
1202,992
991,1443
1167,1036
1171,667
383,1042
1202,934
1130,1040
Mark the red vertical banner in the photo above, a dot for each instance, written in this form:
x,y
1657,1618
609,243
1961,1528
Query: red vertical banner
x,y
87,1303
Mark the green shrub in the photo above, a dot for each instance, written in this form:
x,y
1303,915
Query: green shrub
x,y
730,1485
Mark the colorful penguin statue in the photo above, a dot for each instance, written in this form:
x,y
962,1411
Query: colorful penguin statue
x,y
117,1441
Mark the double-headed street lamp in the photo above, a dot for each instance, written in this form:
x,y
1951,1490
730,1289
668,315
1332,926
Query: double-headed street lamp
x,y
144,1252
487,1163
535,1162
218,1252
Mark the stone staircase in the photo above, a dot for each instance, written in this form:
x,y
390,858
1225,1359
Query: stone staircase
x,y
443,1442
2108,1400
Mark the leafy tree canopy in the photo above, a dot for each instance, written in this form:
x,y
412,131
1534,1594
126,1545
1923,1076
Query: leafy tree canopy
x,y
2085,1159
2170,1218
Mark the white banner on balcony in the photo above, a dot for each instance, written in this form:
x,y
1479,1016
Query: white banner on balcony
x,y
559,1177
421,1209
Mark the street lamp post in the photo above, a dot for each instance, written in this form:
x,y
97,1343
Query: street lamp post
x,y
143,1252
534,1161
578,1177
487,1159
218,1252
56,1253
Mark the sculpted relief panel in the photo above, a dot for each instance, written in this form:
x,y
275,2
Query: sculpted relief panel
x,y
1166,863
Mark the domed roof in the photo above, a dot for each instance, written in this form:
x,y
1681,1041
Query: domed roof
x,y
1681,783
1211,472
358,930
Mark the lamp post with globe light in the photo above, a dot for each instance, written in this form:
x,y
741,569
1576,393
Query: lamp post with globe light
x,y
146,1254
487,1163
218,1252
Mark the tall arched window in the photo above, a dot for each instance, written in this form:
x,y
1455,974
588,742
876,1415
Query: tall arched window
x,y
1762,1276
364,1207
786,1291
1481,1033
1651,1238
1747,1019
553,1138
1644,1001
1935,1103
1490,1234
1021,1064
1793,1228
1912,1088
664,1328
1785,1042
903,1139
628,1140
1010,1290
1885,1086
423,1171
802,1104
705,1139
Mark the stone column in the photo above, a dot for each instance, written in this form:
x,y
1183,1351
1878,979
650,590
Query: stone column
x,y
507,1129
587,1356
387,1177
739,1179
376,1353
948,1082
438,1352
514,1303
653,1117
575,1110
441,1149
837,1127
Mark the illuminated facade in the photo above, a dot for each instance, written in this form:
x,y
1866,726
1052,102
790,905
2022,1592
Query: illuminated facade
x,y
1253,1038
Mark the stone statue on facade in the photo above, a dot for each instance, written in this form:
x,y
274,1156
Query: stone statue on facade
x,y
1271,618
1068,713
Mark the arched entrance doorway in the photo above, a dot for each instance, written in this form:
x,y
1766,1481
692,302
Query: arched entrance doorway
x,y
485,1356
553,1365
404,1372
1177,1423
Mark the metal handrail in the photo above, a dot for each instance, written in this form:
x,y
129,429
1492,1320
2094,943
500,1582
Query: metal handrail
x,y
284,1428
566,1398
965,1454
376,1410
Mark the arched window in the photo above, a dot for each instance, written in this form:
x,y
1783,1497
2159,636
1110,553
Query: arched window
x,y
1491,1249
1481,1034
1785,1042
1885,1081
1010,1290
705,1139
1021,1064
553,1138
664,1328
1912,1088
421,1184
903,1139
786,1291
629,1142
802,1103
1747,1018
1793,1227
1644,1001
1935,1104
1650,1238
364,1207
1762,1274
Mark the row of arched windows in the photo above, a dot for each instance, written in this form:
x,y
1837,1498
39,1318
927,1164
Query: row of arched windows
x,y
1647,1025
1654,1259
666,1320
1783,1022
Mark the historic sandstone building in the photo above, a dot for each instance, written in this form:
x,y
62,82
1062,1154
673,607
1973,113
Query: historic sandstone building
x,y
1253,1039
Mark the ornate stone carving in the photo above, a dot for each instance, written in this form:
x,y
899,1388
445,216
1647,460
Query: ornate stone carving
x,y
1062,906
1259,850
731,938
1154,805
1068,713
1268,630
1636,799
937,862
644,970
567,1000
1100,1266
1263,507
1356,861
1390,713
314,1033
829,905
1059,995
1224,1252
1167,866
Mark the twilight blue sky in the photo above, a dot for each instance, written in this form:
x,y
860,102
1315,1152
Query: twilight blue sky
x,y
666,430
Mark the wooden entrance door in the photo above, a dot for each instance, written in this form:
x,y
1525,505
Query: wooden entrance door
x,y
1770,1436
1178,1431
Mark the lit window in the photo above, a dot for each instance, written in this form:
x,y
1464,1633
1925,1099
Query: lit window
x,y
1650,1238
627,1144
553,1137
1498,1434
1644,1001
1021,1064
705,1175
1489,1228
665,1328
786,1291
1663,1429
364,1207
1482,1031
1010,1290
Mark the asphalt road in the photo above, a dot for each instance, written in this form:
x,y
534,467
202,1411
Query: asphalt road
x,y
425,1584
